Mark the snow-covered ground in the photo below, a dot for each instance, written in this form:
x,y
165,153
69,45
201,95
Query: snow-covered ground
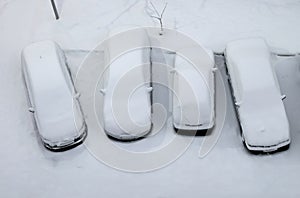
x,y
28,170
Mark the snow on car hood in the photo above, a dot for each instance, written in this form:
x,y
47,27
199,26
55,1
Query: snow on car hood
x,y
264,120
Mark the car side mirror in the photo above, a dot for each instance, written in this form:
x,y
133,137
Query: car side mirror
x,y
214,69
238,104
102,91
76,96
31,110
173,71
149,89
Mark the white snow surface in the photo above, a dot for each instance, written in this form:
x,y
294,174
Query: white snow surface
x,y
29,170
260,107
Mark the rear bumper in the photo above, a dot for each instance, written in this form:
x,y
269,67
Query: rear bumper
x,y
66,145
193,127
269,148
128,137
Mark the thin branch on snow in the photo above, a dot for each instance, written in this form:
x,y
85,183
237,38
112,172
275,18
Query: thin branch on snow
x,y
154,8
158,16
54,9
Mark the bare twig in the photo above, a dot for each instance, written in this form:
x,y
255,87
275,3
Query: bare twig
x,y
154,8
54,9
159,16
163,10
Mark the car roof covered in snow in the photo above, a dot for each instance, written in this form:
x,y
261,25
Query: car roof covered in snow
x,y
257,94
50,90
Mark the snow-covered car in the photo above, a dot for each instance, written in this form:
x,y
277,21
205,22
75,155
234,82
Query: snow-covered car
x,y
194,94
127,95
257,96
52,97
